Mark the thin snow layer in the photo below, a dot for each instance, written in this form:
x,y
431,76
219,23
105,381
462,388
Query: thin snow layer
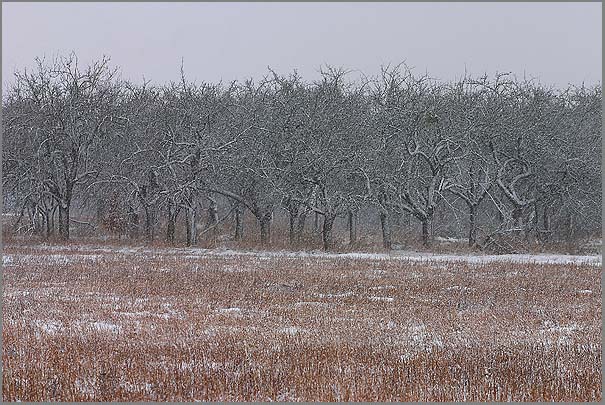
x,y
49,327
106,327
424,257
387,299
92,253
8,260
229,310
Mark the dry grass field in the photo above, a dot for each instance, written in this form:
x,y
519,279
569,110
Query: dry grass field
x,y
98,324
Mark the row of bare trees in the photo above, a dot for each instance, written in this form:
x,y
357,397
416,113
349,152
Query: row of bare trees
x,y
498,155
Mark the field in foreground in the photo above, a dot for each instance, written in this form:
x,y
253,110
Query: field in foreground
x,y
83,323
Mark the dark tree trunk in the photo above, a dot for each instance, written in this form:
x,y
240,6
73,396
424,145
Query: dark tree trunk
x,y
352,228
546,224
171,224
292,230
328,225
300,226
49,223
569,231
426,237
212,217
190,225
472,228
265,229
188,233
239,222
53,214
100,211
64,220
386,229
149,223
133,223
316,223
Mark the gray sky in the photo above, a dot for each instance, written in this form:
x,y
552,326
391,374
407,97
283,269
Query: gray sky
x,y
559,43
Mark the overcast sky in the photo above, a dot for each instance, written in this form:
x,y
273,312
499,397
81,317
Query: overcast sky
x,y
559,43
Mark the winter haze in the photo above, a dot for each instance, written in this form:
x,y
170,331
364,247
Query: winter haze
x,y
558,42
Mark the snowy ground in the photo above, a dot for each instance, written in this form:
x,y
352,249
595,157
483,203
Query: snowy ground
x,y
94,253
100,323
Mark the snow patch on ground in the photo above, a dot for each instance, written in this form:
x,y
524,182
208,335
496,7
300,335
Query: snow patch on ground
x,y
229,310
49,327
450,240
311,303
383,287
129,387
458,288
341,295
102,326
51,259
95,253
421,338
146,314
291,330
386,299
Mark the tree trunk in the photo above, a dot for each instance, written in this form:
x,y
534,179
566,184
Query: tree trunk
x,y
100,211
213,217
64,220
328,224
517,217
386,229
265,229
53,213
190,225
292,230
149,223
472,228
239,222
49,223
300,226
352,228
546,224
170,226
570,228
316,223
426,237
133,223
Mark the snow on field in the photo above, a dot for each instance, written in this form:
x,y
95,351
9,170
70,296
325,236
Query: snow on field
x,y
50,259
387,299
311,304
383,287
106,327
341,295
291,330
95,253
49,327
145,314
229,310
458,288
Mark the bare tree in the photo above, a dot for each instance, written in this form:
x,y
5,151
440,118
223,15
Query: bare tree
x,y
69,111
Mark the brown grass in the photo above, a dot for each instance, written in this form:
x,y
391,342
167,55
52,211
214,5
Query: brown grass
x,y
97,325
